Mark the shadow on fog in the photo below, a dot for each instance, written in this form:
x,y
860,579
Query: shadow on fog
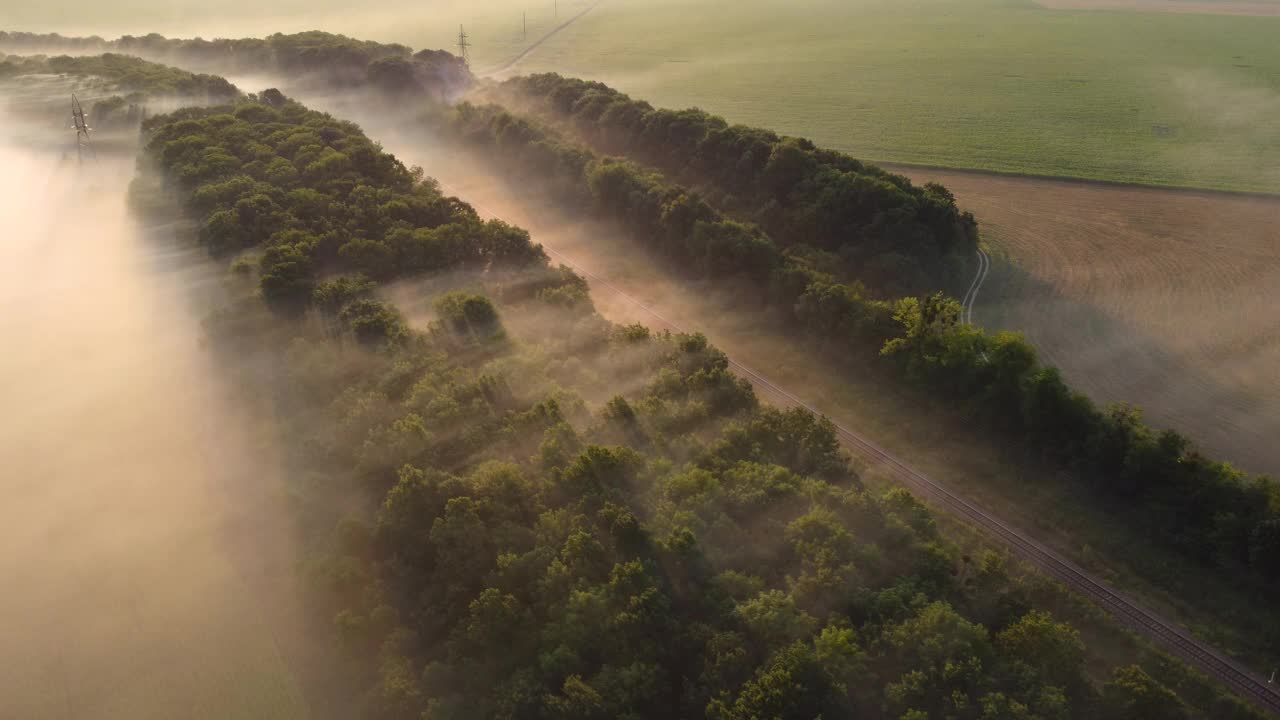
x,y
1224,419
937,439
135,553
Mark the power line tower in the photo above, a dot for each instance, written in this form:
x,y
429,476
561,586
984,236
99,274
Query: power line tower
x,y
80,123
464,46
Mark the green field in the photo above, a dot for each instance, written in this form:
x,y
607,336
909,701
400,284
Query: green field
x,y
1007,85
1156,98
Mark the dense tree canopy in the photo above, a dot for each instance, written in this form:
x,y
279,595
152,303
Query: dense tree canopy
x,y
319,197
1203,509
565,518
886,231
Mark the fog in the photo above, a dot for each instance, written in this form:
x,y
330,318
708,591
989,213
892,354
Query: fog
x,y
147,546
631,285
498,27
146,566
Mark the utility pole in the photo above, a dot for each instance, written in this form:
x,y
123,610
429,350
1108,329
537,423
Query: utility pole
x,y
463,46
524,32
555,9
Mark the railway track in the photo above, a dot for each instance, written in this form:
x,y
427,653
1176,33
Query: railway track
x,y
1241,680
1244,682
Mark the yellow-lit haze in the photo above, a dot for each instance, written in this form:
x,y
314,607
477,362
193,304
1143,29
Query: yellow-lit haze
x,y
497,27
133,536
141,555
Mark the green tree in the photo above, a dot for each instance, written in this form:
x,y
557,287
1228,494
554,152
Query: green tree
x,y
1132,694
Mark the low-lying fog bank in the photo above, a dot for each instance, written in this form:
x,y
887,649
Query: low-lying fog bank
x,y
130,487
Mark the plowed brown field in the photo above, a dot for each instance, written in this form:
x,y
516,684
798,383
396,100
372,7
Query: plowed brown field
x,y
1165,299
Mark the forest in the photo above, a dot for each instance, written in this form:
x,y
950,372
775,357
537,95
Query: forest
x,y
523,511
327,226
317,58
124,73
1204,509
880,229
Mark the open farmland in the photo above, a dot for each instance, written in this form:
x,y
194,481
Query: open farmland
x,y
1161,298
1155,98
1144,93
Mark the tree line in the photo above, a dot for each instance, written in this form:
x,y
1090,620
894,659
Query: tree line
x,y
325,59
556,517
123,73
324,194
897,237
1203,509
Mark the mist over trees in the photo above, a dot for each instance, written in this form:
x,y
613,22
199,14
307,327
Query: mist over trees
x,y
118,91
1203,509
123,73
591,521
318,58
555,517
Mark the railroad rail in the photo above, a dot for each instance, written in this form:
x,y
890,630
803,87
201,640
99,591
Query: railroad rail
x,y
1247,684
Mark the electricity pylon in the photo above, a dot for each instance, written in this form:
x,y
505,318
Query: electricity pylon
x,y
464,46
80,123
